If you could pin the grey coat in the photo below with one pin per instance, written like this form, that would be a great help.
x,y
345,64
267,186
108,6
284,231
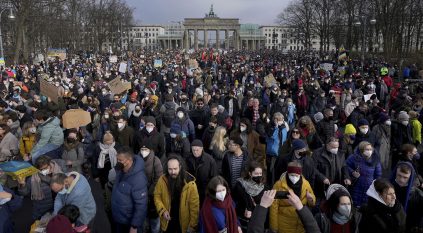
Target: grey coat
x,y
383,133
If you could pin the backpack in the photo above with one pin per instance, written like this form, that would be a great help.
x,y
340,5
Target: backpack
x,y
168,116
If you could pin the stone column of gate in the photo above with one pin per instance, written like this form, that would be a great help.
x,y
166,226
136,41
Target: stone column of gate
x,y
254,44
217,40
195,39
185,39
226,39
236,39
206,38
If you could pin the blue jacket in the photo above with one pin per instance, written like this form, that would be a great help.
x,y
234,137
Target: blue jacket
x,y
276,140
6,210
186,126
78,194
369,170
49,132
129,195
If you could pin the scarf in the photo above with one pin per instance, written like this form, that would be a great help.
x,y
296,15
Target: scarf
x,y
252,188
107,150
36,192
206,215
256,116
339,218
295,187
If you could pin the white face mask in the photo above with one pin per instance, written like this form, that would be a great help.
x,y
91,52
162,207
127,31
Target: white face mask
x,y
368,153
173,135
149,129
243,128
388,122
405,123
4,201
364,130
145,153
106,116
121,125
280,123
45,172
345,210
334,151
32,130
221,195
294,178
180,115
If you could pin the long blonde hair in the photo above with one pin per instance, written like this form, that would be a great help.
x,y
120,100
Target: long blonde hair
x,y
25,128
219,139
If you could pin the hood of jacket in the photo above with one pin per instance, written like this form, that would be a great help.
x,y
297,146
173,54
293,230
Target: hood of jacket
x,y
371,192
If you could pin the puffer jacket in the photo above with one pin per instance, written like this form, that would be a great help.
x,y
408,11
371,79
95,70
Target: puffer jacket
x,y
283,217
129,195
189,207
49,132
369,170
185,125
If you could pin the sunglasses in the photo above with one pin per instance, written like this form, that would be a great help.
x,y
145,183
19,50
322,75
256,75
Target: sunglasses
x,y
296,131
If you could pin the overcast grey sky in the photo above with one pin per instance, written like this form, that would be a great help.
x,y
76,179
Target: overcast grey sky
x,y
263,12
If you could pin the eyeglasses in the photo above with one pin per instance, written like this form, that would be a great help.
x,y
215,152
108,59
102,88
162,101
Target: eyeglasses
x,y
296,131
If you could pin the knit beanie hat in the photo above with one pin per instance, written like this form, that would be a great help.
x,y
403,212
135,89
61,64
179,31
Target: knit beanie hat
x,y
197,143
298,144
59,223
350,129
174,128
403,116
150,119
108,137
383,117
318,117
362,122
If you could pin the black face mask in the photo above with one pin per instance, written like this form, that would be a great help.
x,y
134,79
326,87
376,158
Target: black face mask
x,y
119,166
256,179
303,153
329,118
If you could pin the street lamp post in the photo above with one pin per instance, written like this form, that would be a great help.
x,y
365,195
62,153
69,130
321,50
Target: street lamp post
x,y
359,23
11,16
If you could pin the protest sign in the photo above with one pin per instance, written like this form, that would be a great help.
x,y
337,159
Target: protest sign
x,y
2,62
367,97
53,53
122,67
117,87
269,80
18,169
113,59
192,63
158,63
49,90
326,66
75,118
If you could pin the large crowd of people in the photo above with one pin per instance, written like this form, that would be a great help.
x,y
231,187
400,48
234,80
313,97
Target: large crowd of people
x,y
214,141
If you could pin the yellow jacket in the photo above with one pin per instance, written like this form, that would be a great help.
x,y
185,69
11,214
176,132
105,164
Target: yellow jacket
x,y
416,130
189,205
283,216
26,143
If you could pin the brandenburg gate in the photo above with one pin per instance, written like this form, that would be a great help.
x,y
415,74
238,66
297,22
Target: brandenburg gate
x,y
212,23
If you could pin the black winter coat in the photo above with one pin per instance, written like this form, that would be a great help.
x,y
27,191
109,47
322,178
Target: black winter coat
x,y
378,217
203,169
155,139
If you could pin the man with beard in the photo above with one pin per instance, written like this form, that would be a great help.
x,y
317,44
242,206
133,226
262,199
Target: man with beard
x,y
176,198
